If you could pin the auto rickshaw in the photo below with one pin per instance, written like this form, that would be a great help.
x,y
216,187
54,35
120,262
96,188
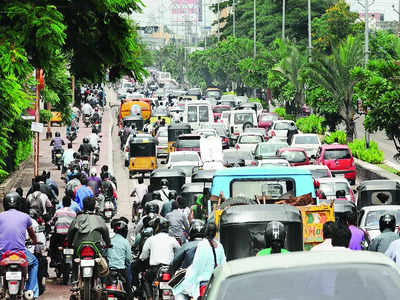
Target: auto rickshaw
x,y
134,107
242,228
176,179
134,120
378,192
55,118
341,208
174,131
190,191
203,176
142,155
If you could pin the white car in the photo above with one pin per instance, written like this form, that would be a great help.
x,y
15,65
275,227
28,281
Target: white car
x,y
308,141
318,171
162,139
241,119
184,157
280,128
248,141
369,217
329,186
272,162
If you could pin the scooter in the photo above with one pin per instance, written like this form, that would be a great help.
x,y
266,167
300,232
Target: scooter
x,y
64,262
113,287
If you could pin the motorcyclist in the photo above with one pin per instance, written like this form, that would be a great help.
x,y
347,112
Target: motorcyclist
x,y
164,191
39,201
96,117
94,181
159,248
68,157
14,224
94,139
87,227
167,206
83,191
57,142
87,109
178,223
274,237
109,191
387,226
85,149
120,255
151,210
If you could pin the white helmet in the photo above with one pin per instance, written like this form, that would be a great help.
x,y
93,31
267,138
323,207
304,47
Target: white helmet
x,y
93,171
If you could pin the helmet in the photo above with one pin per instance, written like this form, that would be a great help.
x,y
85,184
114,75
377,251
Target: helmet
x,y
58,134
120,226
159,224
93,171
12,200
156,195
275,231
197,229
151,208
96,109
164,182
86,140
387,221
172,195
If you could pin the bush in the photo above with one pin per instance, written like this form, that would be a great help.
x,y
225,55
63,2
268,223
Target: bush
x,y
311,124
280,111
45,115
339,134
372,155
24,149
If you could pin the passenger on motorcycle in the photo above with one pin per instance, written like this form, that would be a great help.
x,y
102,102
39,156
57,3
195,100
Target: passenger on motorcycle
x,y
14,224
68,157
167,206
178,223
73,183
159,248
138,192
39,201
87,227
57,142
106,174
274,236
62,220
109,191
151,210
74,206
96,117
120,255
83,191
387,226
85,149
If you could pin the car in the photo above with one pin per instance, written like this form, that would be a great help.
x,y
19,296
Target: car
x,y
218,110
316,275
329,186
273,162
188,142
318,171
162,141
308,141
234,158
221,131
268,149
257,107
280,128
248,141
369,217
295,156
177,157
240,120
339,159
265,120
257,130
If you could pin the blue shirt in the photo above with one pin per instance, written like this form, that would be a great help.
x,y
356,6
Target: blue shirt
x,y
13,226
74,206
81,194
120,255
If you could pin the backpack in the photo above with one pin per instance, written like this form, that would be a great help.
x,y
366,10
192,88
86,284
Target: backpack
x,y
36,203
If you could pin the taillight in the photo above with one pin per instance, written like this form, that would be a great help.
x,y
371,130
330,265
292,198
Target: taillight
x,y
126,149
316,183
273,133
87,251
165,277
237,147
40,220
253,163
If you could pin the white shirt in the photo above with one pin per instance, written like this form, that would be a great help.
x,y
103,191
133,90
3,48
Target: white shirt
x,y
160,248
94,140
164,193
327,246
87,109
68,157
140,190
41,238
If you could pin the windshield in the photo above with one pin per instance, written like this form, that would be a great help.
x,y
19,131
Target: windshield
x,y
266,118
337,154
241,118
213,94
236,155
332,281
306,139
184,157
250,139
270,148
372,218
203,113
294,156
220,109
273,188
188,143
320,173
145,149
192,113
330,189
282,126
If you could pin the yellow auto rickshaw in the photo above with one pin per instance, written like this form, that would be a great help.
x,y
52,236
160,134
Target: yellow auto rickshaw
x,y
55,118
133,120
142,155
133,107
174,131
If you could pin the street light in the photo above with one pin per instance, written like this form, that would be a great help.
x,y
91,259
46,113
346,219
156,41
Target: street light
x,y
255,39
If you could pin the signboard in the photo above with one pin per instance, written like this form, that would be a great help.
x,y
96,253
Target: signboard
x,y
184,7
37,127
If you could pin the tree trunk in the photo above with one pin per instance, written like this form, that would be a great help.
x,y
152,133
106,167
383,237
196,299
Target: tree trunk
x,y
350,128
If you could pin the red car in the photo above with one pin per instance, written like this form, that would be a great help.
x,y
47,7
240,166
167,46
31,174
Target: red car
x,y
339,159
218,110
295,156
265,120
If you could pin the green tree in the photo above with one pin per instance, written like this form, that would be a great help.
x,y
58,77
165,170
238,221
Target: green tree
x,y
171,58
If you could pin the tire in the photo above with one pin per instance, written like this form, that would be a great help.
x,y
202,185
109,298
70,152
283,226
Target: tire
x,y
65,274
237,201
58,167
87,289
247,125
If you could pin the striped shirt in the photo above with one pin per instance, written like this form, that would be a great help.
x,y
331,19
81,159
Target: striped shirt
x,y
63,219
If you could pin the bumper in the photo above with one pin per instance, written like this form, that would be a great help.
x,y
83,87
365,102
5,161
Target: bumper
x,y
348,174
162,151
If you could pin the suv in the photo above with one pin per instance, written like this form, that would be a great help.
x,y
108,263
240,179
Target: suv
x,y
339,159
281,128
241,119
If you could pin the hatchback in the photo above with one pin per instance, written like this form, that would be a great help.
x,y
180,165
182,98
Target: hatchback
x,y
295,156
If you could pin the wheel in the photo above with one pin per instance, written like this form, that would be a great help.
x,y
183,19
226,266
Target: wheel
x,y
66,271
93,161
58,167
86,290
247,125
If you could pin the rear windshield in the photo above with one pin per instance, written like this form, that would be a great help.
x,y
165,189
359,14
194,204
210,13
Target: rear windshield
x,y
281,126
192,114
219,109
184,157
250,139
213,94
306,139
146,149
273,188
241,118
320,173
337,154
236,155
266,118
294,156
203,114
188,143
270,148
332,188
372,219
255,130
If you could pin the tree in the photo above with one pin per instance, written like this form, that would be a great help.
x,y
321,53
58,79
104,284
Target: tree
x,y
171,58
334,73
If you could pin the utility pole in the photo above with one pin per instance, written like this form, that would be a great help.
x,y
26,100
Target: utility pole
x,y
398,22
284,18
309,32
219,16
255,39
205,23
37,120
234,17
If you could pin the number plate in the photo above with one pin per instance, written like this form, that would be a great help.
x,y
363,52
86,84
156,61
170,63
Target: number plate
x,y
164,286
108,214
13,275
68,251
40,229
87,263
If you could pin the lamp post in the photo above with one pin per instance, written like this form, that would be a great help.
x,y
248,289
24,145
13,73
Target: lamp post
x,y
255,38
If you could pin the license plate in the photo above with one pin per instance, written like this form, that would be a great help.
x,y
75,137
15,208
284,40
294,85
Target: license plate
x,y
108,214
40,229
68,251
112,298
13,275
164,286
87,263
58,155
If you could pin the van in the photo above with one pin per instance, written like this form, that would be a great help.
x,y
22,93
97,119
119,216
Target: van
x,y
240,119
197,113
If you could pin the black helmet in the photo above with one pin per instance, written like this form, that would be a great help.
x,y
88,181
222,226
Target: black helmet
x,y
172,195
85,140
156,195
159,224
197,229
387,221
275,231
12,200
164,182
33,213
58,134
151,208
120,226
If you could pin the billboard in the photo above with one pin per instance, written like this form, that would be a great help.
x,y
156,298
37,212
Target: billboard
x,y
184,7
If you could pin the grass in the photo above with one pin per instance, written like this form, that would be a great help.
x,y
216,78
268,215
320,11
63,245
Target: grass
x,y
389,169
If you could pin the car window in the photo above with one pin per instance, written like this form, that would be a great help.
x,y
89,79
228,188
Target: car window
x,y
250,139
274,188
372,218
266,118
337,154
241,118
294,156
192,113
305,139
281,126
203,114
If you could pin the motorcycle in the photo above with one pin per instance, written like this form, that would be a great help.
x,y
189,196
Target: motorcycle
x,y
86,120
96,156
64,262
97,127
72,135
86,164
161,289
58,161
14,270
113,287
